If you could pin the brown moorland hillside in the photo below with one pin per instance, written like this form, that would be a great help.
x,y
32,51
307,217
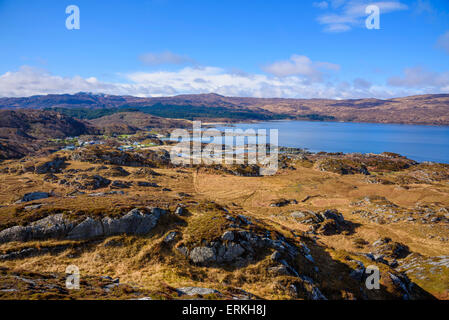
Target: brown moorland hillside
x,y
26,131
422,109
131,122
308,232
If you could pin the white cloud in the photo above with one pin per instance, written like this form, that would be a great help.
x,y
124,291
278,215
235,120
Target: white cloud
x,y
164,58
321,4
302,66
418,77
443,42
29,81
360,83
351,13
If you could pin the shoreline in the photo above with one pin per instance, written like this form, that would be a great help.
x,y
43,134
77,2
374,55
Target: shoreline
x,y
326,121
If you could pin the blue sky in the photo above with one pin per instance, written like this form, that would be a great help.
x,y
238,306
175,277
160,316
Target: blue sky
x,y
261,48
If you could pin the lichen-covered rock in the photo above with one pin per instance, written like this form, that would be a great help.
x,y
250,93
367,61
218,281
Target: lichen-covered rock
x,y
16,233
55,226
193,291
87,229
202,255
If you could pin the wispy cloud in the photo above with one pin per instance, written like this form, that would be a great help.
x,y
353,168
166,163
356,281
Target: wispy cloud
x,y
419,77
443,42
164,58
321,4
343,15
28,81
300,65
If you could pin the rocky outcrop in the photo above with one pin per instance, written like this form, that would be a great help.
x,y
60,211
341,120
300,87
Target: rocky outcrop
x,y
86,182
328,222
34,196
203,255
116,171
135,222
107,155
342,166
283,202
55,226
238,247
53,166
117,184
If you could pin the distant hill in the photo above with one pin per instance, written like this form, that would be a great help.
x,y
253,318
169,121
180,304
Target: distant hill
x,y
38,124
24,131
423,109
131,122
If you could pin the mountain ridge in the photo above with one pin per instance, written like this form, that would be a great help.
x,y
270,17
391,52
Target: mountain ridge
x,y
419,109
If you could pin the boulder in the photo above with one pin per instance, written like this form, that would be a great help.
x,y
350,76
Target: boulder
x,y
55,226
134,222
87,229
34,196
193,291
232,252
202,255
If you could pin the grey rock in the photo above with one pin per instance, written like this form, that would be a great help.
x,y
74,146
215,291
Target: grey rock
x,y
280,270
298,214
147,184
16,233
87,229
233,251
34,196
179,211
134,222
54,226
227,236
170,237
32,207
53,166
201,255
334,215
193,291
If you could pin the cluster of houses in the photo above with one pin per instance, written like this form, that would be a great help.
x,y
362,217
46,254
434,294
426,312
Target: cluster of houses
x,y
80,143
76,142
